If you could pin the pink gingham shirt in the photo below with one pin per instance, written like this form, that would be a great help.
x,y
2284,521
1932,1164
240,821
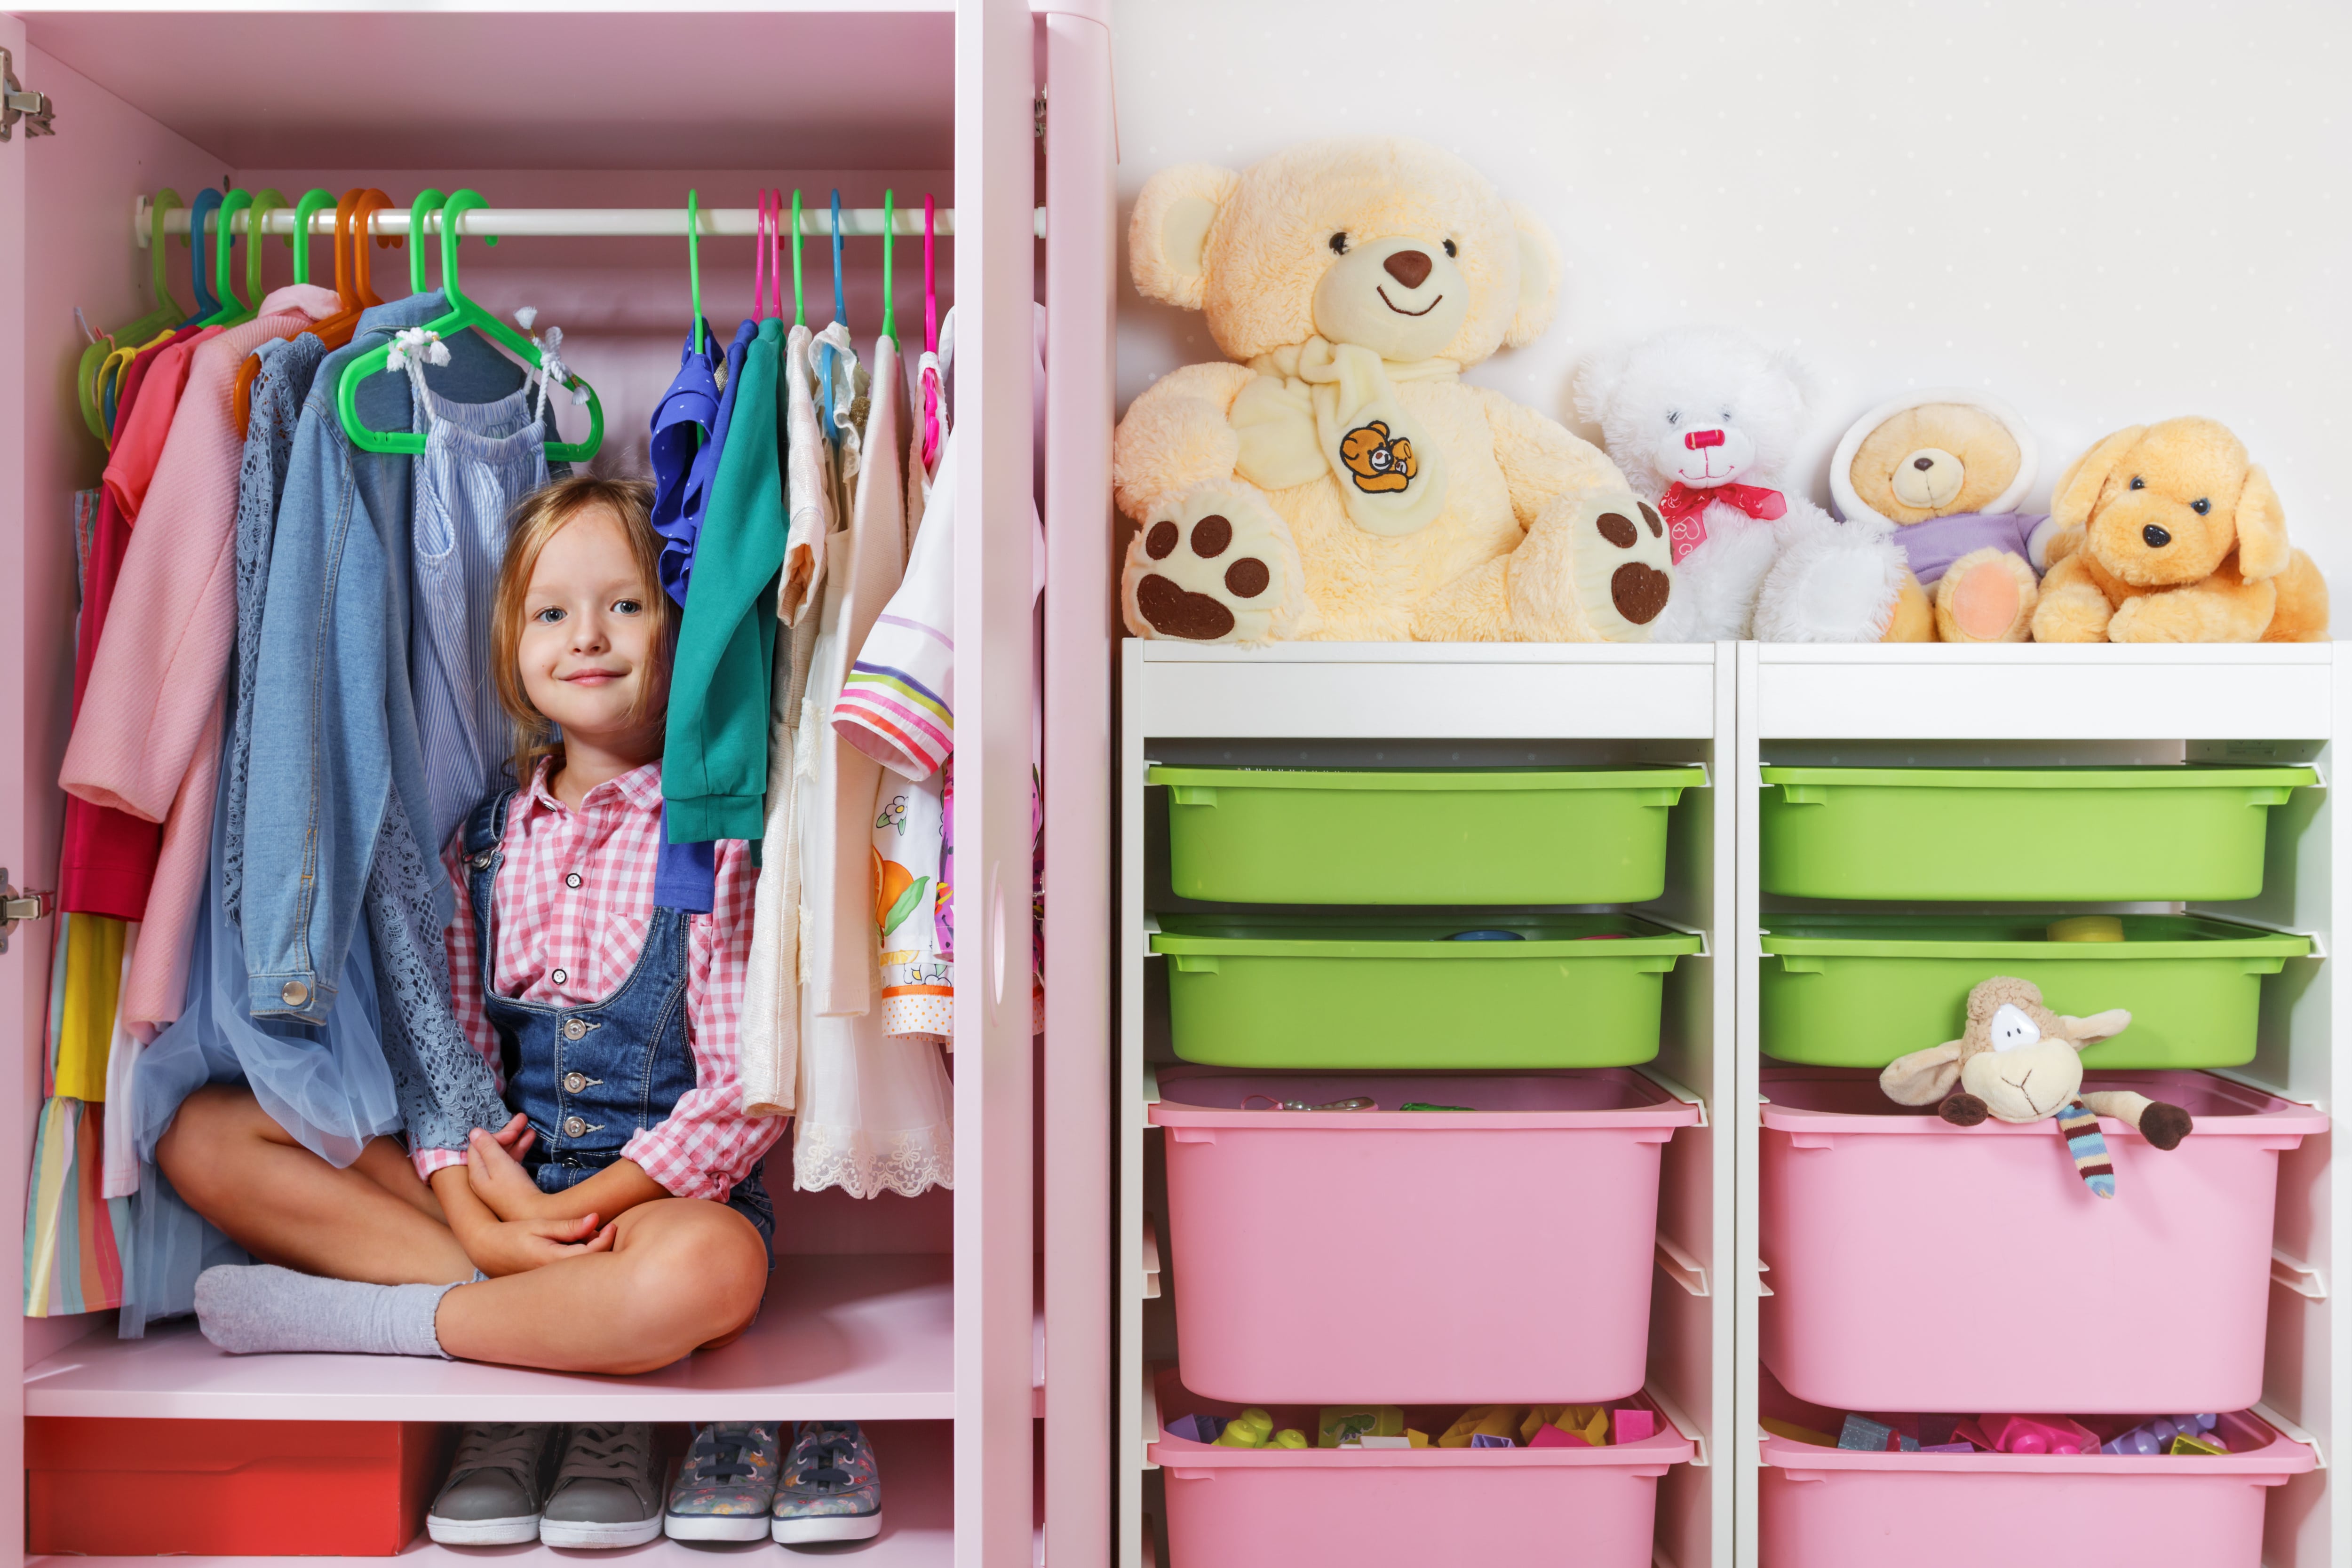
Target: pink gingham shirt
x,y
574,895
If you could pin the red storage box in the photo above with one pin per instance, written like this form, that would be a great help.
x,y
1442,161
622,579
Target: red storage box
x,y
104,1487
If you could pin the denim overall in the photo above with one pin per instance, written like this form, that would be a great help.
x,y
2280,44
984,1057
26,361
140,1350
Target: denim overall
x,y
590,1077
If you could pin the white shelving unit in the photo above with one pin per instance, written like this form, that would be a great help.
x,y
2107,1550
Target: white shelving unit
x,y
1367,704
2016,705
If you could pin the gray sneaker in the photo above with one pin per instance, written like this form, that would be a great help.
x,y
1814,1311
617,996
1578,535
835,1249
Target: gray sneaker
x,y
832,1490
496,1486
727,1483
606,1491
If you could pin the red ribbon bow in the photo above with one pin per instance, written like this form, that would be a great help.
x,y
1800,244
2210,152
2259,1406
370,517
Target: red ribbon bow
x,y
1686,511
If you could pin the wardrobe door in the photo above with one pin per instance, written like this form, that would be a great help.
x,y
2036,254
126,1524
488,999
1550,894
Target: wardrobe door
x,y
995,154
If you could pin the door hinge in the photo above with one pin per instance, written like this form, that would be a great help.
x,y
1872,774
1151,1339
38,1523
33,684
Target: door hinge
x,y
33,108
1037,111
13,905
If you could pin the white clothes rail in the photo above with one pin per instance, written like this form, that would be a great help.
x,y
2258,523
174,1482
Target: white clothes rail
x,y
568,221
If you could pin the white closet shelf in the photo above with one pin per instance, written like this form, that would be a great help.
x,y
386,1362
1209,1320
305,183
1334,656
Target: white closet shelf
x,y
1435,690
2040,690
917,1465
850,1338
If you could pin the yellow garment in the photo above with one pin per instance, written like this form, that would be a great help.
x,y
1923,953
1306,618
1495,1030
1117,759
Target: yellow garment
x,y
86,1022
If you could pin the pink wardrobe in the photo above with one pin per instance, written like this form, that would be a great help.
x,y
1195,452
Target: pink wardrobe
x,y
971,1327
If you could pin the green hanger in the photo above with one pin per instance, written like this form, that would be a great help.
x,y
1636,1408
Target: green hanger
x,y
304,210
232,310
168,312
889,236
800,299
694,259
428,200
265,202
463,313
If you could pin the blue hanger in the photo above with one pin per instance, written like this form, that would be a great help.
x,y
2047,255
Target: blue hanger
x,y
828,390
207,202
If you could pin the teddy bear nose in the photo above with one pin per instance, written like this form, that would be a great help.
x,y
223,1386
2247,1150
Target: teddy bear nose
x,y
1410,267
1923,463
2156,537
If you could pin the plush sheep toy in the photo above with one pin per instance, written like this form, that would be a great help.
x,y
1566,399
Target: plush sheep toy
x,y
1703,422
2021,1062
1335,476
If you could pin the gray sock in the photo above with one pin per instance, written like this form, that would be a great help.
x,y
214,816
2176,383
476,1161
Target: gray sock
x,y
261,1307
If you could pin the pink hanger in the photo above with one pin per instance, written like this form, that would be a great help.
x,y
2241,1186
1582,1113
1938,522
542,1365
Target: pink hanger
x,y
931,389
759,254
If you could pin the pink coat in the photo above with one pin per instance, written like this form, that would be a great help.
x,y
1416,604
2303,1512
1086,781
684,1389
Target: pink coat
x,y
147,740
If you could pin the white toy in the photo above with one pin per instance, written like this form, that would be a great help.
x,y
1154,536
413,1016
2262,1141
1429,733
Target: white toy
x,y
1702,422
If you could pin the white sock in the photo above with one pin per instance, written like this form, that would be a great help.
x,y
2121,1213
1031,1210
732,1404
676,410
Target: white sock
x,y
260,1307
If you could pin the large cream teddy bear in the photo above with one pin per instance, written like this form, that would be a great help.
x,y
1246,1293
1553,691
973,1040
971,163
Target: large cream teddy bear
x,y
1341,481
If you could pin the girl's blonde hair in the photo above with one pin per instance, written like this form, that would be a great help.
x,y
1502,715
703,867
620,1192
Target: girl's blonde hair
x,y
537,518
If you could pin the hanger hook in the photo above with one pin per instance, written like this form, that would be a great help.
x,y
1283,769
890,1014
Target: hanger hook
x,y
889,242
428,200
207,202
800,297
930,281
266,201
224,237
840,314
694,259
298,239
165,200
459,203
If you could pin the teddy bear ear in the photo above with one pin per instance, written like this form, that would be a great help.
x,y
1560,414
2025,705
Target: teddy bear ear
x,y
1924,1077
1167,236
1799,372
1596,382
1539,278
2078,487
2263,549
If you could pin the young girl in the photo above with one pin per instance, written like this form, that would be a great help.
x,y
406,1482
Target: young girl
x,y
617,1221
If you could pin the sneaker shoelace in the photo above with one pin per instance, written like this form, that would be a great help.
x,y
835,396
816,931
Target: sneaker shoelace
x,y
611,1453
512,1446
725,1461
835,1449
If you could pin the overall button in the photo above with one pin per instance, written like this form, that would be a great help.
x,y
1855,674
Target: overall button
x,y
559,976
572,880
573,1126
573,1082
482,861
294,993
573,1028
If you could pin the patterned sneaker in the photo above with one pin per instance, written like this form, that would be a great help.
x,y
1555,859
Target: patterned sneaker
x,y
496,1487
727,1483
830,1490
606,1491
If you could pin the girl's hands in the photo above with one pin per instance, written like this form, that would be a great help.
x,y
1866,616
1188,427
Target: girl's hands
x,y
516,1247
496,1176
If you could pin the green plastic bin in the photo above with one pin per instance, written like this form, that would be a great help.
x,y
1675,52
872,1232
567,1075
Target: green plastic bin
x,y
1413,835
1859,990
1338,991
1987,834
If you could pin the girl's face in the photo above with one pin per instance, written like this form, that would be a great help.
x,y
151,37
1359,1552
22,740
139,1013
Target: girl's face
x,y
588,652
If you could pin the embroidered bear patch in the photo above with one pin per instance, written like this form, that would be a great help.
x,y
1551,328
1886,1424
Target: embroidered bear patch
x,y
1380,464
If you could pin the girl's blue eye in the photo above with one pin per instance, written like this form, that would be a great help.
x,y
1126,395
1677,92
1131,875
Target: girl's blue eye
x,y
628,606
550,615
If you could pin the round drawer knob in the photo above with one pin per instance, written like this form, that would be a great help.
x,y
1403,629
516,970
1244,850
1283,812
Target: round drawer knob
x,y
573,1126
573,1082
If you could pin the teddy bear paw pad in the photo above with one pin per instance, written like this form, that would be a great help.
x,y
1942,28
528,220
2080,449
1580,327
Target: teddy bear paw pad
x,y
1624,563
1210,572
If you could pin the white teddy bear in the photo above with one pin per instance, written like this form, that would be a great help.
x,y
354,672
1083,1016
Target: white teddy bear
x,y
1702,422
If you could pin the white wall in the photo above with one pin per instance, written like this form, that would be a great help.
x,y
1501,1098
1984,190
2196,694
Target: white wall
x,y
2105,213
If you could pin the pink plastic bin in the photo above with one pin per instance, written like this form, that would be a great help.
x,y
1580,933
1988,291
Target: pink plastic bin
x,y
1243,1508
1886,1231
1415,1258
1832,1508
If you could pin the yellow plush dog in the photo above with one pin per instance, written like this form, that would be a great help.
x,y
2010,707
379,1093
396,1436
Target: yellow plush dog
x,y
2169,533
1336,477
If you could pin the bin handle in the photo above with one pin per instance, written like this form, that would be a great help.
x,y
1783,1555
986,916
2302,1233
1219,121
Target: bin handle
x,y
1190,1134
2270,795
1192,795
1187,1475
2269,965
1802,962
1193,963
1804,794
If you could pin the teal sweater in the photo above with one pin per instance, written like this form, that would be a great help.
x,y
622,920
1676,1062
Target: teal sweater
x,y
715,759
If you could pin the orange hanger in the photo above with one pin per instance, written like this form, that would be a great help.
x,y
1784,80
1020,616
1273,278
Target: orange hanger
x,y
335,330
351,215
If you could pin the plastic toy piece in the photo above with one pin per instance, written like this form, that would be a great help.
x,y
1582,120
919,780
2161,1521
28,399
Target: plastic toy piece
x,y
1418,1439
2182,1443
1373,1440
1250,1430
1335,1424
1417,1105
1494,1420
1197,1428
1491,1440
1489,935
2038,1435
1288,1438
1948,1448
1631,1426
1864,1435
1550,1437
2087,928
1797,1434
2154,1436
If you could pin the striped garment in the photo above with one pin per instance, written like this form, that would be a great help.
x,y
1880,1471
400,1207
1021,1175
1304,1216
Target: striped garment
x,y
2080,1125
898,706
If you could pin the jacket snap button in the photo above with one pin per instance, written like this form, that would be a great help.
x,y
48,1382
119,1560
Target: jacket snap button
x,y
572,880
573,1126
572,1029
482,862
573,1082
294,993
559,976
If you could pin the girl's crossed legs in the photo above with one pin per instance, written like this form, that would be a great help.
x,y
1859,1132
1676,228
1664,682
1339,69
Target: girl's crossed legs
x,y
676,1274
